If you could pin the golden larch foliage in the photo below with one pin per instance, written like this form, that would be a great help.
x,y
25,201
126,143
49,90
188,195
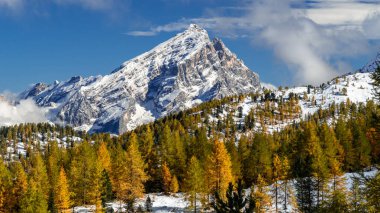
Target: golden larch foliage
x,y
62,199
219,171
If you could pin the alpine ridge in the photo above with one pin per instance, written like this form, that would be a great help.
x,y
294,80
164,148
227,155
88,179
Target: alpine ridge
x,y
186,70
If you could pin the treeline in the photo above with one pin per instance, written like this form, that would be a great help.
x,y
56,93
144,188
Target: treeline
x,y
172,155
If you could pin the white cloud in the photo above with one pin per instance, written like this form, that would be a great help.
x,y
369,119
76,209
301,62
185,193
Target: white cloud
x,y
342,12
313,39
305,46
26,111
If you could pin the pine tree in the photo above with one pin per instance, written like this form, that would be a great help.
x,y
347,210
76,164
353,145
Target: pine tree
x,y
148,204
179,154
236,200
194,181
219,169
106,193
361,147
62,199
261,157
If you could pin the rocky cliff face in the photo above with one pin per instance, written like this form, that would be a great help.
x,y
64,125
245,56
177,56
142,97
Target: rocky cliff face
x,y
177,74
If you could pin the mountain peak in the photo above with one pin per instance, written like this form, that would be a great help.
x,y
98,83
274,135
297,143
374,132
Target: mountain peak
x,y
195,27
177,74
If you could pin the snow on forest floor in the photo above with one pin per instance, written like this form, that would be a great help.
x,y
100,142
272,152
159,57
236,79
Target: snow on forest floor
x,y
178,203
161,203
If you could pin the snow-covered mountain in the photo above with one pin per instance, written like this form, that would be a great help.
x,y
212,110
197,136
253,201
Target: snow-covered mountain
x,y
184,71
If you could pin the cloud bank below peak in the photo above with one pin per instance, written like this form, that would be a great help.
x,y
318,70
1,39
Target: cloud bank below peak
x,y
24,111
313,38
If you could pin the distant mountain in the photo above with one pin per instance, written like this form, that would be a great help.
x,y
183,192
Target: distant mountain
x,y
186,70
372,65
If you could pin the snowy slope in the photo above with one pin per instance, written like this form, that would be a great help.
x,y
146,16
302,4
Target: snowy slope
x,y
357,88
185,70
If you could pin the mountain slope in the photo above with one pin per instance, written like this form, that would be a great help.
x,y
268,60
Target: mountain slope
x,y
185,70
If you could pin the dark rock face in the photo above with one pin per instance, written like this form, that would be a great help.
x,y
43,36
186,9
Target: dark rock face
x,y
177,74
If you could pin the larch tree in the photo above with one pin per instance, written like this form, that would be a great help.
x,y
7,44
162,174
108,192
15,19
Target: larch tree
x,y
344,136
174,185
120,175
166,178
104,157
136,173
62,200
277,176
33,200
82,174
97,185
262,198
5,187
319,170
20,185
219,171
38,173
52,166
194,182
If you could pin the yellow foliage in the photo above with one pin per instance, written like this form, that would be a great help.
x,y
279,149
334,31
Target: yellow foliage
x,y
219,171
62,194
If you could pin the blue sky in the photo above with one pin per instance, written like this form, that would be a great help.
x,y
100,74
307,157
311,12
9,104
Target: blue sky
x,y
287,42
